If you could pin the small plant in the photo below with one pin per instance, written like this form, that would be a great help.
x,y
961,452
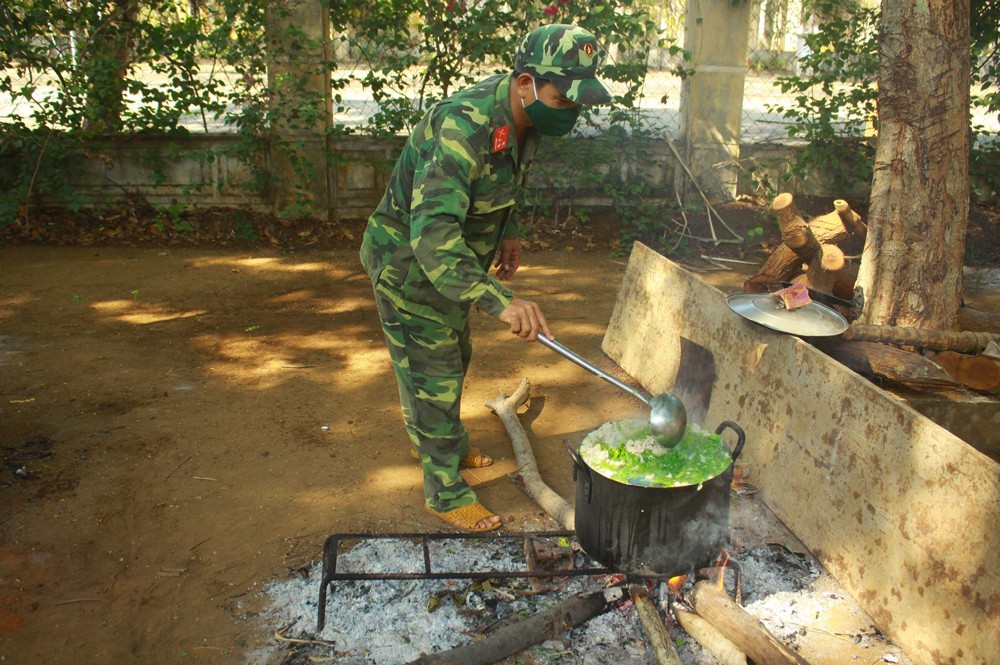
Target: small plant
x,y
835,98
243,228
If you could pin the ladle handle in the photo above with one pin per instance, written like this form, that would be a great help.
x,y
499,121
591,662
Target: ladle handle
x,y
569,355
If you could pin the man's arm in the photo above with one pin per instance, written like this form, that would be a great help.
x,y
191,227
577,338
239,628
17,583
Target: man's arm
x,y
441,197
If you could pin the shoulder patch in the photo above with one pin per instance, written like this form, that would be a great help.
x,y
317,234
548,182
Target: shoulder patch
x,y
501,137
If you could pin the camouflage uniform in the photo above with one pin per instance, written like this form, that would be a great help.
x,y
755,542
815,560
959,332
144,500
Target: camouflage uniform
x,y
428,249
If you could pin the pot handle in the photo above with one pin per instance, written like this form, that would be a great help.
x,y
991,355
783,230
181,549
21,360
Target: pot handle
x,y
578,466
741,436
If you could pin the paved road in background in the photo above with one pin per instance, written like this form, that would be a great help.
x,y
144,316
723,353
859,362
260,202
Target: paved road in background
x,y
659,110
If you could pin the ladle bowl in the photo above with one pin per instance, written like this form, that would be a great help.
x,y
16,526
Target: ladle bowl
x,y
667,415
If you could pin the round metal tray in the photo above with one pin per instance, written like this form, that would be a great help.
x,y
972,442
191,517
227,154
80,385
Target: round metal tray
x,y
813,320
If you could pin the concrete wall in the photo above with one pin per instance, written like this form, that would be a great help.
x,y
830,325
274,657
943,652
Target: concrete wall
x,y
208,171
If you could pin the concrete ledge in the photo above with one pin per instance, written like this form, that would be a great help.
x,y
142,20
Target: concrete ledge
x,y
903,513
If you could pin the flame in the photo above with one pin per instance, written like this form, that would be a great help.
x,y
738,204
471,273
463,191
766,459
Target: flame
x,y
721,580
675,584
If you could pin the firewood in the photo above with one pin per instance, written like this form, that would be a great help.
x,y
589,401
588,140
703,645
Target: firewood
x,y
822,274
976,372
708,637
652,623
529,479
850,219
795,233
517,637
974,319
843,288
874,360
742,629
829,229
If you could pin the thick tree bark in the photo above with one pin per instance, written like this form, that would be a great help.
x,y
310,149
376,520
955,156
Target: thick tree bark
x,y
911,269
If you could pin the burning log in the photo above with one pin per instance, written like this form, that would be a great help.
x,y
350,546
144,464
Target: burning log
x,y
527,477
742,629
517,637
652,623
708,637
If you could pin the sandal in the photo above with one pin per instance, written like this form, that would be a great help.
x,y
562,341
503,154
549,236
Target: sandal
x,y
467,518
476,459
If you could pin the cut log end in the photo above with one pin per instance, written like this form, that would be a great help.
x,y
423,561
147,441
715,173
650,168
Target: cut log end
x,y
782,201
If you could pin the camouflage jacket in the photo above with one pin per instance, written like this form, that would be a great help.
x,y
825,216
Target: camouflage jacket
x,y
429,244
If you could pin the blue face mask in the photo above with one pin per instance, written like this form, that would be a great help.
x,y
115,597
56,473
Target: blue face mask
x,y
547,120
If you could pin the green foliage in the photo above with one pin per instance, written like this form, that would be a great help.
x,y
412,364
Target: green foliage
x,y
985,26
75,71
140,66
834,108
835,98
433,47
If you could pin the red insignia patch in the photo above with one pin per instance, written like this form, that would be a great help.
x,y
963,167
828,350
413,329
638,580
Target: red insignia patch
x,y
500,138
588,48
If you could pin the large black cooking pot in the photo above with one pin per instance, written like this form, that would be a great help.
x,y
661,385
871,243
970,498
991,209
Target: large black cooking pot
x,y
653,530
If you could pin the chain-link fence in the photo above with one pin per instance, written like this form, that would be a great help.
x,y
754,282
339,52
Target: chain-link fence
x,y
774,45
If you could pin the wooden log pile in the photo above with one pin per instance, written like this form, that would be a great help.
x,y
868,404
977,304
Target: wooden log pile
x,y
812,254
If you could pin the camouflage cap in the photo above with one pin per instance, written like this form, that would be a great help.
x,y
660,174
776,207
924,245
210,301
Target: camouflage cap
x,y
566,55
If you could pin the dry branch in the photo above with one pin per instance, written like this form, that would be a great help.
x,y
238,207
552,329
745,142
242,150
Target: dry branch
x,y
530,480
517,637
742,629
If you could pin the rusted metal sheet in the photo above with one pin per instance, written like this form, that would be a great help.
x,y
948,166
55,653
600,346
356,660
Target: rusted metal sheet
x,y
903,513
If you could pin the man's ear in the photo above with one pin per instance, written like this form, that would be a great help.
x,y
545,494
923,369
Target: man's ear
x,y
523,83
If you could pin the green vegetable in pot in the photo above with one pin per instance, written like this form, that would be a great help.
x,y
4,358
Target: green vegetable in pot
x,y
626,451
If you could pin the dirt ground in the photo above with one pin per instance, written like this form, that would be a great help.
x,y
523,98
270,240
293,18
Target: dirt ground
x,y
180,425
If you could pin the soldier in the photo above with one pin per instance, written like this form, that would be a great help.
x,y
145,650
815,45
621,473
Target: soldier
x,y
446,215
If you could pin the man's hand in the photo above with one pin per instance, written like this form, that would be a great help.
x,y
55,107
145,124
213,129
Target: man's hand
x,y
508,258
525,319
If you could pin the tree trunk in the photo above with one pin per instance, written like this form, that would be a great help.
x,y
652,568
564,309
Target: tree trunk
x,y
109,59
911,269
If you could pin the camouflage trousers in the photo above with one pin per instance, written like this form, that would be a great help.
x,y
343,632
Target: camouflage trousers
x,y
430,361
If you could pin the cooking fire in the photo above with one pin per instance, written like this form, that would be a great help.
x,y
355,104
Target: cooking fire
x,y
779,584
673,559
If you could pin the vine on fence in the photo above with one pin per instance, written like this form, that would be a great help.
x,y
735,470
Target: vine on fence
x,y
76,74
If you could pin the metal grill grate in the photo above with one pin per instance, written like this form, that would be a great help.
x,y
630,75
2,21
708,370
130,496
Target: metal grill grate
x,y
332,547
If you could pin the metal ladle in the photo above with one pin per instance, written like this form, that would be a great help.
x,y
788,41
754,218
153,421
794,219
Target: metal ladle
x,y
667,415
